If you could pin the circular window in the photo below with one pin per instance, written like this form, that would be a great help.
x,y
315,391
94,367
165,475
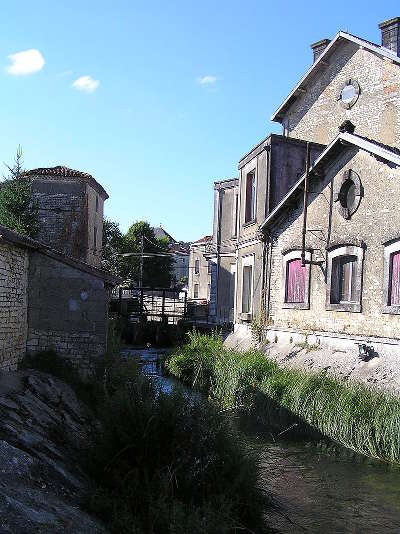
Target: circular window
x,y
349,94
348,195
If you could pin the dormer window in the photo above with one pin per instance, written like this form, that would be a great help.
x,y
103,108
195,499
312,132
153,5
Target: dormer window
x,y
349,94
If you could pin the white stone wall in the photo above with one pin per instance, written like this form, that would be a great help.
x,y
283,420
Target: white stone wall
x,y
13,305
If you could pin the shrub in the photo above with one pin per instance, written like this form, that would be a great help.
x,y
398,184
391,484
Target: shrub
x,y
170,463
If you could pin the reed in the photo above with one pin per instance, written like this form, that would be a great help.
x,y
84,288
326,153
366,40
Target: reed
x,y
356,416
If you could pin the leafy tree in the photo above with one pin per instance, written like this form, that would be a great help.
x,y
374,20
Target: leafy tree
x,y
113,247
157,271
18,209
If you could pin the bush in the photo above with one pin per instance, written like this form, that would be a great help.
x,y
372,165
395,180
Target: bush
x,y
170,463
358,417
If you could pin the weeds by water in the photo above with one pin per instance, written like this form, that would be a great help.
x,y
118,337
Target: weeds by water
x,y
358,417
162,463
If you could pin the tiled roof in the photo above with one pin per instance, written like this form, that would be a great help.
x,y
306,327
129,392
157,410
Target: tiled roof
x,y
160,233
205,239
66,172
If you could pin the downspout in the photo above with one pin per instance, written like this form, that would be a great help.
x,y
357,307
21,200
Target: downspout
x,y
268,276
304,231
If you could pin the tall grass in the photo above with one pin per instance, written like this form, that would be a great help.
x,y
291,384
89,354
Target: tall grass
x,y
161,463
356,416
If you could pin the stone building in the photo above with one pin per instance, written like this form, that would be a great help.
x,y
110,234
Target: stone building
x,y
266,174
199,286
222,252
49,301
180,256
325,262
70,210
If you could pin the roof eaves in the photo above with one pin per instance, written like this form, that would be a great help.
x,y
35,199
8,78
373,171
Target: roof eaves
x,y
376,49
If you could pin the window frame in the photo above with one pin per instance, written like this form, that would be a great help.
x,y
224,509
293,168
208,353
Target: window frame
x,y
196,285
346,250
247,261
197,266
287,257
252,218
390,248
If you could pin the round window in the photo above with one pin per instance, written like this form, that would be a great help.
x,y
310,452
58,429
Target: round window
x,y
349,94
348,193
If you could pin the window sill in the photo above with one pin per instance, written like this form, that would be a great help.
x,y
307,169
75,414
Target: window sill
x,y
249,223
354,307
296,305
246,316
394,310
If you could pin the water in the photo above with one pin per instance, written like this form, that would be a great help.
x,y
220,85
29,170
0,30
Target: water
x,y
317,489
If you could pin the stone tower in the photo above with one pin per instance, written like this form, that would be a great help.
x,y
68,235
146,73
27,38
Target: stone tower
x,y
70,210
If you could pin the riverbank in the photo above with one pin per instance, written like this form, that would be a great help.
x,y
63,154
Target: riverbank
x,y
154,461
359,418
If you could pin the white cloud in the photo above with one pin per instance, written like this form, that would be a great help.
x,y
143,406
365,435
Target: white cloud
x,y
86,84
25,62
207,80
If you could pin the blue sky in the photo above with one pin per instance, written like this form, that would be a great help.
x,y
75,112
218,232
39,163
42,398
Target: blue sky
x,y
158,99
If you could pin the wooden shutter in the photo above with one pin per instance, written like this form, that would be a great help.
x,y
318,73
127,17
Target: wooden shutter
x,y
295,282
395,280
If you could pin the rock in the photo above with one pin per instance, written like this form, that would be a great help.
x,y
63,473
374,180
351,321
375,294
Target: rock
x,y
43,429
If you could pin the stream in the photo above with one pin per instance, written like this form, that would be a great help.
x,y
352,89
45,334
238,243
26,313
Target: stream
x,y
317,488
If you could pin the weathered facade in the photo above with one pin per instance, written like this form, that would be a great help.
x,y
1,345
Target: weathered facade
x,y
70,210
199,286
222,253
267,173
49,302
333,268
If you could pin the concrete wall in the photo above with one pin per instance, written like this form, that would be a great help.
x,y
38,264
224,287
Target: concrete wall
x,y
67,310
376,221
95,220
13,304
317,113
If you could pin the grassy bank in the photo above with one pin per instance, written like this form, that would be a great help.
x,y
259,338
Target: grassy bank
x,y
162,463
360,418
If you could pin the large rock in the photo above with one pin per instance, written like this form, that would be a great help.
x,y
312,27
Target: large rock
x,y
43,431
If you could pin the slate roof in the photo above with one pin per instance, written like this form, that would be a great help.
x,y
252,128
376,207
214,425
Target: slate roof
x,y
340,142
65,172
160,233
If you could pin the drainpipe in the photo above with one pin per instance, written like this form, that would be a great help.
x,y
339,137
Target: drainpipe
x,y
304,231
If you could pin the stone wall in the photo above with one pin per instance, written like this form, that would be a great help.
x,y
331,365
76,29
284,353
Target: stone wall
x,y
376,221
13,304
63,212
317,113
67,310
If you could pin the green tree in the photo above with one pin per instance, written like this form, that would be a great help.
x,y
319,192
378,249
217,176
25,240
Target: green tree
x,y
18,209
157,270
113,247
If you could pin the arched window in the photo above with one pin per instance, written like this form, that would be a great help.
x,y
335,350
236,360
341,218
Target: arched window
x,y
296,280
391,278
344,279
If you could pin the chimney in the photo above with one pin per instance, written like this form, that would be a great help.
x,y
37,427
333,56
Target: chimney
x,y
319,47
391,34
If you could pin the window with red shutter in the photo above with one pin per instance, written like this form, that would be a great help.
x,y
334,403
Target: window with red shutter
x,y
295,281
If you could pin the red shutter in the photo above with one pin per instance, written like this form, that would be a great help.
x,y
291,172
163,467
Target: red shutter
x,y
395,289
295,282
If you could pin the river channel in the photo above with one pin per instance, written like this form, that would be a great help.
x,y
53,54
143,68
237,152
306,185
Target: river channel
x,y
317,488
